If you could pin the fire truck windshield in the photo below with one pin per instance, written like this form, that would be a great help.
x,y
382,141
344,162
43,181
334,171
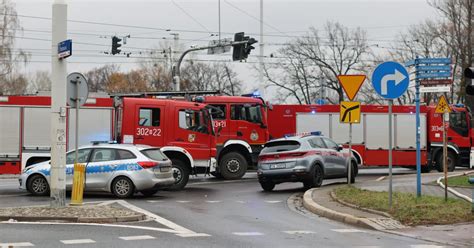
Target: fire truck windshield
x,y
458,123
246,112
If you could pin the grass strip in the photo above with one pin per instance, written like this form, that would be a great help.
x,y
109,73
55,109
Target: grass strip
x,y
407,208
459,181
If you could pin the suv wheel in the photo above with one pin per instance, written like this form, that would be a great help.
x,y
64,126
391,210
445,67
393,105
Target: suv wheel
x,y
316,179
267,185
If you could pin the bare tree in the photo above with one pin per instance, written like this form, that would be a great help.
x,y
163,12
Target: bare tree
x,y
9,58
98,78
39,81
217,76
313,61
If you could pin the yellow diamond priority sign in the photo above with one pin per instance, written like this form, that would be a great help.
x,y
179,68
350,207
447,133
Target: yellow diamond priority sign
x,y
351,84
443,106
349,112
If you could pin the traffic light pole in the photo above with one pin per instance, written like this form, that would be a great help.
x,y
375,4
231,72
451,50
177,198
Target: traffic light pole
x,y
176,70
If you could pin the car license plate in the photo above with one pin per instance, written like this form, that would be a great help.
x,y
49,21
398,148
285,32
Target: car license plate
x,y
165,169
277,166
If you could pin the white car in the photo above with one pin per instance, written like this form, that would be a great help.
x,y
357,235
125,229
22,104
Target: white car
x,y
122,169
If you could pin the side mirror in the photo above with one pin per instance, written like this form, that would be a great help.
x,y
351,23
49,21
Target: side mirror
x,y
339,148
469,76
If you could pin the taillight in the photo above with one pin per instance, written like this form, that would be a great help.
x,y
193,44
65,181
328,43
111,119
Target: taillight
x,y
147,164
296,154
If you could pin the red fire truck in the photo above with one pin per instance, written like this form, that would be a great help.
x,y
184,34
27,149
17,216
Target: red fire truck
x,y
370,137
183,130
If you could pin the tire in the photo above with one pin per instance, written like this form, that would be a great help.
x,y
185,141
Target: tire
x,y
149,192
451,161
317,176
180,173
426,168
233,165
38,185
267,185
122,187
353,172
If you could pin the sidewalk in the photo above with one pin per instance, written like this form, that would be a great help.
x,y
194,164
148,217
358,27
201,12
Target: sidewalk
x,y
320,201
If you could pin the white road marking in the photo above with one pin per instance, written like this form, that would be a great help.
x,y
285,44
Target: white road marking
x,y
272,201
21,244
299,232
156,218
183,201
347,230
189,235
155,201
213,201
240,201
247,233
143,237
77,241
380,178
426,246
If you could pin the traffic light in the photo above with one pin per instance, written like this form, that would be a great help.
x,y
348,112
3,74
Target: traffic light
x,y
248,47
469,76
239,48
116,45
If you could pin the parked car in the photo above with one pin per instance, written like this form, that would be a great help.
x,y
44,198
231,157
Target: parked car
x,y
307,158
122,169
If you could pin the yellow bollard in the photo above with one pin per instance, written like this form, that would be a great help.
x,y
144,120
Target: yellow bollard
x,y
78,184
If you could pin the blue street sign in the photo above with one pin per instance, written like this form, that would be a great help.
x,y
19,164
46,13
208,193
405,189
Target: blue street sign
x,y
320,101
433,61
64,49
410,63
390,80
440,74
433,68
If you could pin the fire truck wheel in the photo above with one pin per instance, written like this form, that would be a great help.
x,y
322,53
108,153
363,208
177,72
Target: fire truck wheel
x,y
317,178
267,185
233,165
451,161
180,174
122,187
38,185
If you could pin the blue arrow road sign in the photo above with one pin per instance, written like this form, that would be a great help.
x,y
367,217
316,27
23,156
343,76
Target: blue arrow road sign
x,y
390,80
441,74
433,61
433,68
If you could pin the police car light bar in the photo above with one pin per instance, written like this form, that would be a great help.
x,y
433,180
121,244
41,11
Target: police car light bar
x,y
97,142
314,133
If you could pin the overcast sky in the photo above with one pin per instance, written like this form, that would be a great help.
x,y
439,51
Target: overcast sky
x,y
196,21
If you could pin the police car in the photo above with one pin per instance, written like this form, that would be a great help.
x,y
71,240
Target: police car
x,y
121,169
308,158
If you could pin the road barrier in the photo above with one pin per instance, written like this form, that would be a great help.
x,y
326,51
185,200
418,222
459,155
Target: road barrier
x,y
78,184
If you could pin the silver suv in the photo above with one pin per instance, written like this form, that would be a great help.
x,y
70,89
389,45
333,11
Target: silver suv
x,y
307,158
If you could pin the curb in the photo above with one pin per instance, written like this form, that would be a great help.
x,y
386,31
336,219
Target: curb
x,y
453,191
9,176
312,206
333,196
74,219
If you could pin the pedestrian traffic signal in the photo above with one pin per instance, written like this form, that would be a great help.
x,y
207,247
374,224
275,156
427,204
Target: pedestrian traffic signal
x,y
469,76
242,51
116,45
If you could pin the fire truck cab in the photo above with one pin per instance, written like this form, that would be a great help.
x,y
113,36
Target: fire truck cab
x,y
183,129
242,122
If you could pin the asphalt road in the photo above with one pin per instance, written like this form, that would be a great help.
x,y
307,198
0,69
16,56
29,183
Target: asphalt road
x,y
212,213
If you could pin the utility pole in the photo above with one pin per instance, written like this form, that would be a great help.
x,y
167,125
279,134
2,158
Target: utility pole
x,y
260,57
58,106
173,60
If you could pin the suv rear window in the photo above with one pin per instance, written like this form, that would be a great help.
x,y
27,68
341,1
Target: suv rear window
x,y
154,154
281,146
